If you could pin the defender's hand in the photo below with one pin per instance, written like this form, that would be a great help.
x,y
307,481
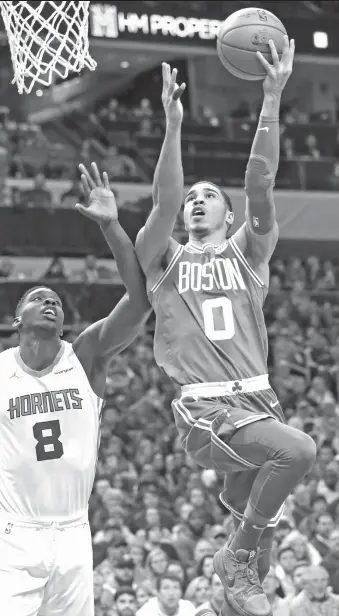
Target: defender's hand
x,y
171,94
278,72
101,206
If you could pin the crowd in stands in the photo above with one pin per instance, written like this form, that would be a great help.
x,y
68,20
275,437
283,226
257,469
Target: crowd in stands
x,y
127,142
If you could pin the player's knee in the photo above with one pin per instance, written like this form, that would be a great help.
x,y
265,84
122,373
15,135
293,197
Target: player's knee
x,y
304,452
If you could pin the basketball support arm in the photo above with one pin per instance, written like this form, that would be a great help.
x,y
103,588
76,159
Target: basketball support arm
x,y
262,168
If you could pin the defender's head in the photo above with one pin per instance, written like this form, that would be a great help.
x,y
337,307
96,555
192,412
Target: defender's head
x,y
207,208
39,308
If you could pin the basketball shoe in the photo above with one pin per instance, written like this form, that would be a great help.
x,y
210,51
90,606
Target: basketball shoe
x,y
238,573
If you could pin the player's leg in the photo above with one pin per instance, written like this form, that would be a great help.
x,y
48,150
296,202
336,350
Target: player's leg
x,y
282,456
23,574
265,545
69,591
285,455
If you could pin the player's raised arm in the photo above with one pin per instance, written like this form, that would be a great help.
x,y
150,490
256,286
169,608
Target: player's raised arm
x,y
168,182
96,346
258,237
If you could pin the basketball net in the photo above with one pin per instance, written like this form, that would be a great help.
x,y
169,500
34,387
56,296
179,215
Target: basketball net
x,y
41,46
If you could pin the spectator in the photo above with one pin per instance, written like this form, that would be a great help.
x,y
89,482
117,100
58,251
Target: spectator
x,y
157,562
205,567
316,598
39,195
287,148
324,528
287,562
113,112
311,149
331,560
303,550
72,196
299,577
301,504
209,117
98,583
138,555
89,273
6,268
144,109
328,485
198,591
217,596
55,270
168,600
119,166
270,586
143,594
333,178
125,602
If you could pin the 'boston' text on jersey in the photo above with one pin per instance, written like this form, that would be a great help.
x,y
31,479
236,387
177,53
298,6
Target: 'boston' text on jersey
x,y
221,273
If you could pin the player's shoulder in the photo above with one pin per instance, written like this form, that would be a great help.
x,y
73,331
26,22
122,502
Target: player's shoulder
x,y
8,354
7,360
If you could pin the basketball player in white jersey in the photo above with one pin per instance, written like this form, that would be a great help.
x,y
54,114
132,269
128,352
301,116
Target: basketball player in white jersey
x,y
51,397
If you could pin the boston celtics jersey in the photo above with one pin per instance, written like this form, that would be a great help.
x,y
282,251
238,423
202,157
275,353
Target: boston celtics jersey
x,y
209,315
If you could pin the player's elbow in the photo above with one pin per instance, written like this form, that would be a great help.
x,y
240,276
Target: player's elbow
x,y
137,311
259,177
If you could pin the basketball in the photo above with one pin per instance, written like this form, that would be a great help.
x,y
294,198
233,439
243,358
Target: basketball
x,y
244,33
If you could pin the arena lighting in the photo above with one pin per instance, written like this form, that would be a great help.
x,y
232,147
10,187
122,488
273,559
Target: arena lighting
x,y
39,93
320,40
124,64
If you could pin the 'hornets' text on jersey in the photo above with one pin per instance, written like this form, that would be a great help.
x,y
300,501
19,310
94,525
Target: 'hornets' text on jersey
x,y
209,316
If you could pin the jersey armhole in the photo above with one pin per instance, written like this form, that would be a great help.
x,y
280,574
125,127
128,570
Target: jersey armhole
x,y
246,264
168,261
76,363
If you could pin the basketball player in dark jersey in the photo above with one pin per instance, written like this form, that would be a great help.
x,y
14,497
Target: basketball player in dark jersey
x,y
210,337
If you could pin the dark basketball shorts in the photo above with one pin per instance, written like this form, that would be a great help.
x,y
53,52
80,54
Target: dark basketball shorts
x,y
208,414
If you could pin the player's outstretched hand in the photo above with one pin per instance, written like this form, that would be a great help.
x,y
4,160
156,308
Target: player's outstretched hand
x,y
278,72
171,94
101,204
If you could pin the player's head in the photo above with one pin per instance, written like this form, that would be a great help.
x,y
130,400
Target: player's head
x,y
207,208
40,308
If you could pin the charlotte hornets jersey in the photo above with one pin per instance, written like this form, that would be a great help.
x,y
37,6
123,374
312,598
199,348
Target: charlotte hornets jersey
x,y
49,437
209,316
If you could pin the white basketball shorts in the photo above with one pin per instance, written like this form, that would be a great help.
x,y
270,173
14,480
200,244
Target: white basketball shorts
x,y
46,569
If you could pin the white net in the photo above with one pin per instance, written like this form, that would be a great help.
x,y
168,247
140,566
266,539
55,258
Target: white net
x,y
46,38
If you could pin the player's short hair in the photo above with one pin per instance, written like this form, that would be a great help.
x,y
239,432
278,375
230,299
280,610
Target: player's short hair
x,y
124,590
224,194
167,576
23,298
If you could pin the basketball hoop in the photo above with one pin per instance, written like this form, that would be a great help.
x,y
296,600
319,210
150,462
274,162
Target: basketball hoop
x,y
46,38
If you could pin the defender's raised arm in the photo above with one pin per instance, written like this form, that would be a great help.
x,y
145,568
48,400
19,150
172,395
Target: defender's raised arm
x,y
101,341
